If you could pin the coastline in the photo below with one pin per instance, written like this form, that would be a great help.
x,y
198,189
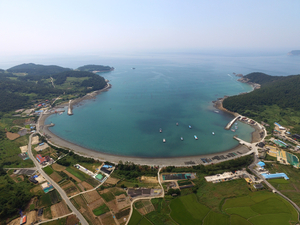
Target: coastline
x,y
239,150
218,104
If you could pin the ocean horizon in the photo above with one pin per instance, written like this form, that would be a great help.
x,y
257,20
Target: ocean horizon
x,y
158,93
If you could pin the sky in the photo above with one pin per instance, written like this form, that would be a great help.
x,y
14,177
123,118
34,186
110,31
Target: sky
x,y
52,27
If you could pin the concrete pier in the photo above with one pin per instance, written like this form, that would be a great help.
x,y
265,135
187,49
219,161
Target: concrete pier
x,y
70,108
228,126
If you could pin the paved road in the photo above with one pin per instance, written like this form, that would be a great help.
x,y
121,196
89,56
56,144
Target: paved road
x,y
251,167
46,221
56,186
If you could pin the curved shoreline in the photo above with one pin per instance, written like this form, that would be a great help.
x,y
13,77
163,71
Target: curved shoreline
x,y
55,140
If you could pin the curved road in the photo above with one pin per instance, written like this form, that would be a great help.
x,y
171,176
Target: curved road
x,y
55,185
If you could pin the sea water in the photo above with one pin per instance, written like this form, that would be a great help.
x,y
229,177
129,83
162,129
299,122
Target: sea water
x,y
158,93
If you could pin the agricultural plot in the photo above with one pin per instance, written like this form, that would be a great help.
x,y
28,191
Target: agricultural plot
x,y
261,208
77,173
108,196
56,177
91,196
107,219
101,210
59,209
144,206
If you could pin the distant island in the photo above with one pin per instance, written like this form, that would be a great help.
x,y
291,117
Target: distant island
x,y
95,68
294,52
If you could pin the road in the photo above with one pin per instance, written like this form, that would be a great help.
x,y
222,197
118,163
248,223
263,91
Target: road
x,y
55,185
57,218
251,167
143,198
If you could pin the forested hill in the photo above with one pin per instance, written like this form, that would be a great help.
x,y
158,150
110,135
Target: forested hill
x,y
35,69
98,68
21,91
261,104
262,78
284,92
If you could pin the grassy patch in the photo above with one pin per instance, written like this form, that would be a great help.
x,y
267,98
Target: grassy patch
x,y
77,173
199,211
92,181
237,220
274,219
245,212
48,170
31,207
138,205
136,217
45,200
101,210
180,214
184,182
117,191
47,213
61,221
108,196
216,218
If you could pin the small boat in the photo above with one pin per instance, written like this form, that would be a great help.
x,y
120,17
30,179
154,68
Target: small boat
x,y
216,111
160,130
195,137
236,127
232,130
133,68
213,133
235,123
176,124
181,138
190,126
164,140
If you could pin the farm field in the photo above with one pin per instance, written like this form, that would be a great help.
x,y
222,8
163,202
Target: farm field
x,y
240,207
291,187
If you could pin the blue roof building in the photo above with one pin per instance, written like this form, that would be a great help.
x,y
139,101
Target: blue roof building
x,y
275,175
261,164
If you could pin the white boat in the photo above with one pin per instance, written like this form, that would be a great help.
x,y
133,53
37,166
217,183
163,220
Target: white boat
x,y
181,138
176,124
216,111
213,133
232,130
190,126
164,140
195,137
236,127
160,130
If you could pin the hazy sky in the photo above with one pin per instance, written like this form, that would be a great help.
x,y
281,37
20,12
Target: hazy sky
x,y
95,26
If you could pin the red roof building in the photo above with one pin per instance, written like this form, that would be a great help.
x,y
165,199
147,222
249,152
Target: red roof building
x,y
40,158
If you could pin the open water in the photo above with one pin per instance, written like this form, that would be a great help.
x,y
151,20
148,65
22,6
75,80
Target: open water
x,y
158,93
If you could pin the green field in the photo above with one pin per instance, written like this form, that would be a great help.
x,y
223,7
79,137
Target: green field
x,y
48,170
9,151
101,210
291,187
77,173
227,203
259,207
108,196
136,217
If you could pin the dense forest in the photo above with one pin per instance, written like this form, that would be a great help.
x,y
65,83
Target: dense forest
x,y
284,92
19,91
262,78
280,92
91,68
35,69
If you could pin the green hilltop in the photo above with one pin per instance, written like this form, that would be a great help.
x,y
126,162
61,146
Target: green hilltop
x,y
35,69
276,101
